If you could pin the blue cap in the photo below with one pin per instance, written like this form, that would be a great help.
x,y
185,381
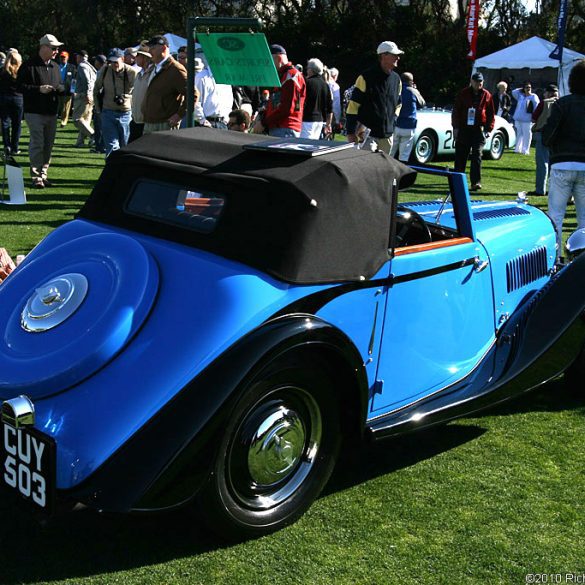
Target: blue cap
x,y
115,54
277,50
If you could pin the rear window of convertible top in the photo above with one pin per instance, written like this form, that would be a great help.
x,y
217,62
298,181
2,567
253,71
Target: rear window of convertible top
x,y
177,205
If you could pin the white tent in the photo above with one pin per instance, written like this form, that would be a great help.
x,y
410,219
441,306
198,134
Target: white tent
x,y
175,41
527,60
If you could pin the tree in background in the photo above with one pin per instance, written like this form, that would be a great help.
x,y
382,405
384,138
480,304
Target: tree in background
x,y
342,33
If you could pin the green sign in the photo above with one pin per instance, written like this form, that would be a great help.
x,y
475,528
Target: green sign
x,y
239,58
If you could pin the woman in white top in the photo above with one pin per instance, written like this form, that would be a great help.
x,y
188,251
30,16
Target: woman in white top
x,y
527,102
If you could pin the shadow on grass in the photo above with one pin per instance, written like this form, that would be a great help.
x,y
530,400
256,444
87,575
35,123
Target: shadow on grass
x,y
85,544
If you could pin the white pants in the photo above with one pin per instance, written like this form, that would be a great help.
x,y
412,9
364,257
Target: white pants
x,y
562,186
312,130
403,142
523,137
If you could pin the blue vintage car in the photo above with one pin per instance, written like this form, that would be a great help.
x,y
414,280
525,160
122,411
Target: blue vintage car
x,y
221,314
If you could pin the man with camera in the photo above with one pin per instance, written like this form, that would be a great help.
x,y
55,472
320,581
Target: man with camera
x,y
113,98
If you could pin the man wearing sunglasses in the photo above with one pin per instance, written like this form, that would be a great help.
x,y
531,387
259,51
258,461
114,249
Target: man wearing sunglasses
x,y
40,80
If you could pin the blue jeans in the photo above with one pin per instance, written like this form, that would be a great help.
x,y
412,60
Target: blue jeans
x,y
284,133
563,186
541,163
115,129
11,108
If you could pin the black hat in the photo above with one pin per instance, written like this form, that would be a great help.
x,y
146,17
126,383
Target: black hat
x,y
477,77
277,50
551,88
158,40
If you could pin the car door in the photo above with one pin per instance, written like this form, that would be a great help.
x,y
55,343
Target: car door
x,y
438,318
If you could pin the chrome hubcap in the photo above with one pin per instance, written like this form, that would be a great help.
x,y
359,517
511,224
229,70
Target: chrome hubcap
x,y
54,302
274,449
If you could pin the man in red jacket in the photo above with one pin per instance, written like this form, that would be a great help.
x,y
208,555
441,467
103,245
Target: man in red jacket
x,y
283,115
472,120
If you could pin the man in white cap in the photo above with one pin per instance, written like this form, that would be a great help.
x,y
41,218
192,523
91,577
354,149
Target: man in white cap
x,y
41,85
375,100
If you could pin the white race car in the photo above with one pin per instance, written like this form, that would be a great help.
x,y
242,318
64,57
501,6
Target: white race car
x,y
434,136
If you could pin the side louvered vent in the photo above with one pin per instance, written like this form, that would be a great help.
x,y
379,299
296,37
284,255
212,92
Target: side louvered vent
x,y
505,212
526,269
422,203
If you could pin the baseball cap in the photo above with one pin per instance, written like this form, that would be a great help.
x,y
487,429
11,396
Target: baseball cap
x,y
389,47
115,54
158,40
477,77
130,51
64,54
101,58
50,40
551,88
277,50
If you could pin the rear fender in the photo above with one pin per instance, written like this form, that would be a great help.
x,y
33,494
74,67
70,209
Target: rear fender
x,y
164,463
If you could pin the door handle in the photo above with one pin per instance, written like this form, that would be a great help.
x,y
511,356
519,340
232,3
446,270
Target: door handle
x,y
479,264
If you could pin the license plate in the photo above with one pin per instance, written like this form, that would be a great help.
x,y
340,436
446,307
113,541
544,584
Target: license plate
x,y
28,464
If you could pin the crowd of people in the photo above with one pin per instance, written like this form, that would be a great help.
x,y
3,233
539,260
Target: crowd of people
x,y
556,125
117,97
114,99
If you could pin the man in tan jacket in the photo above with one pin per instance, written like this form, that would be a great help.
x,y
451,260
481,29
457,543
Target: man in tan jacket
x,y
164,103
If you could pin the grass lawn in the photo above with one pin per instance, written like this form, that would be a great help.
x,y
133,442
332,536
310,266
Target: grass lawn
x,y
487,499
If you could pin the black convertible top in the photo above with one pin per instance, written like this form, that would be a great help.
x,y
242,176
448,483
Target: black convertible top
x,y
301,219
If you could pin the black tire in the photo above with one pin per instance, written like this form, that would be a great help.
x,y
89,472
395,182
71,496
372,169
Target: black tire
x,y
276,453
425,149
497,146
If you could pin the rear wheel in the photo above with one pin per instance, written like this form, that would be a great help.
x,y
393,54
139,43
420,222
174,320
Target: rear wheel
x,y
497,146
276,454
425,148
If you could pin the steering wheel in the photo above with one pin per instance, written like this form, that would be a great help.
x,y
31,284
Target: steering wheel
x,y
411,228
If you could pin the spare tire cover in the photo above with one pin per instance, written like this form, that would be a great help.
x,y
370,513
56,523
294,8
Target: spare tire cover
x,y
70,311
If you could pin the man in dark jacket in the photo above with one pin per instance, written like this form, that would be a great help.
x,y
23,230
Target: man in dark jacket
x,y
564,135
472,119
375,100
318,109
41,85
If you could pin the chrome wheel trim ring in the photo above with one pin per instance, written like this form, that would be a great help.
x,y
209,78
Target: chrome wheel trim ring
x,y
424,149
275,448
